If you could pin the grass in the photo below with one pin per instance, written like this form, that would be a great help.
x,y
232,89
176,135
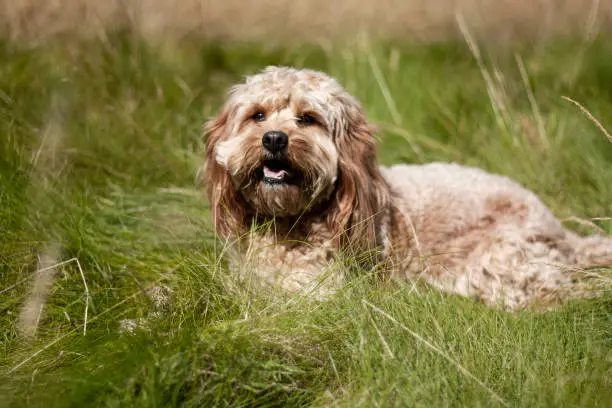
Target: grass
x,y
99,152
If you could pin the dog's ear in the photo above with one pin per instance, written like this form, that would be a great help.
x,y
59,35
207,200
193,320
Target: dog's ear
x,y
226,204
362,195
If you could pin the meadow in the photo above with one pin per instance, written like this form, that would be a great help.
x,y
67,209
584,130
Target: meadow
x,y
101,142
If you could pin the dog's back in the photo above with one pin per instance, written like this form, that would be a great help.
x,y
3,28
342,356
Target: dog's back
x,y
485,235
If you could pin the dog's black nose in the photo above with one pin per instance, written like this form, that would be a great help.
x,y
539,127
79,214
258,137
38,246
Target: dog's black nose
x,y
275,141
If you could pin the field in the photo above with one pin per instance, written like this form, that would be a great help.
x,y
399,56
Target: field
x,y
98,204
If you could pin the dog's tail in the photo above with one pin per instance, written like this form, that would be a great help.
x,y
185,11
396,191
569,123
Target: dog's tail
x,y
592,251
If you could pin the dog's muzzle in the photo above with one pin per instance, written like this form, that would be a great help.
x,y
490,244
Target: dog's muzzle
x,y
276,169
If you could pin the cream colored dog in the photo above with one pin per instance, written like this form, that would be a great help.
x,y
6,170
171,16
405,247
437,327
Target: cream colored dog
x,y
291,174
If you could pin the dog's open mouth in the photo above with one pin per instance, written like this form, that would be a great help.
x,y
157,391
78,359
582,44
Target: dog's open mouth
x,y
277,172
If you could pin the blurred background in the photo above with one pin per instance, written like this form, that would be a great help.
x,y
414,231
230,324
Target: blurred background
x,y
276,21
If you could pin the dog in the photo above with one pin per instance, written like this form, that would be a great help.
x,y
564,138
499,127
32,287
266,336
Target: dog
x,y
291,175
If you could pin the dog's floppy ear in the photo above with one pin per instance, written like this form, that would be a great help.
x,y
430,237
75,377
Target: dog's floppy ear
x,y
226,204
361,195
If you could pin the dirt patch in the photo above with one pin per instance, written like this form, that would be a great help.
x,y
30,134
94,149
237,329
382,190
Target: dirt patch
x,y
314,20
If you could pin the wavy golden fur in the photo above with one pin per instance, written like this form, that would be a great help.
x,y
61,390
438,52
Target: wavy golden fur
x,y
293,151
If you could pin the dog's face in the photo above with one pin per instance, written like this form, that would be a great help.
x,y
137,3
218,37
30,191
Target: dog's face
x,y
278,146
285,141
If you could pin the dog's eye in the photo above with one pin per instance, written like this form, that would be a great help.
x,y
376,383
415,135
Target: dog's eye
x,y
306,120
258,116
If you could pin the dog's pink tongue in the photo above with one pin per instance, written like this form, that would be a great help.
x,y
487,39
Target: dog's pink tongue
x,y
276,174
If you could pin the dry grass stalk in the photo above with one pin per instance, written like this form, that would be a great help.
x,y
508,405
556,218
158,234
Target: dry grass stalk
x,y
590,116
46,165
32,309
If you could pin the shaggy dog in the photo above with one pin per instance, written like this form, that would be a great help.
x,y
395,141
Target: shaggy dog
x,y
291,174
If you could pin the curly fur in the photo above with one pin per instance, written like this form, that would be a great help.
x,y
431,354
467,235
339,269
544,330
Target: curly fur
x,y
458,228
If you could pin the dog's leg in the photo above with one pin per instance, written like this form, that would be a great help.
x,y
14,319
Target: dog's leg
x,y
514,271
511,270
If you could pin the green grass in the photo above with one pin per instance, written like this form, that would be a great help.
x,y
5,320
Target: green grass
x,y
100,145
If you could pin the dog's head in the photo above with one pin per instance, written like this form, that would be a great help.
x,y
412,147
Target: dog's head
x,y
288,141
